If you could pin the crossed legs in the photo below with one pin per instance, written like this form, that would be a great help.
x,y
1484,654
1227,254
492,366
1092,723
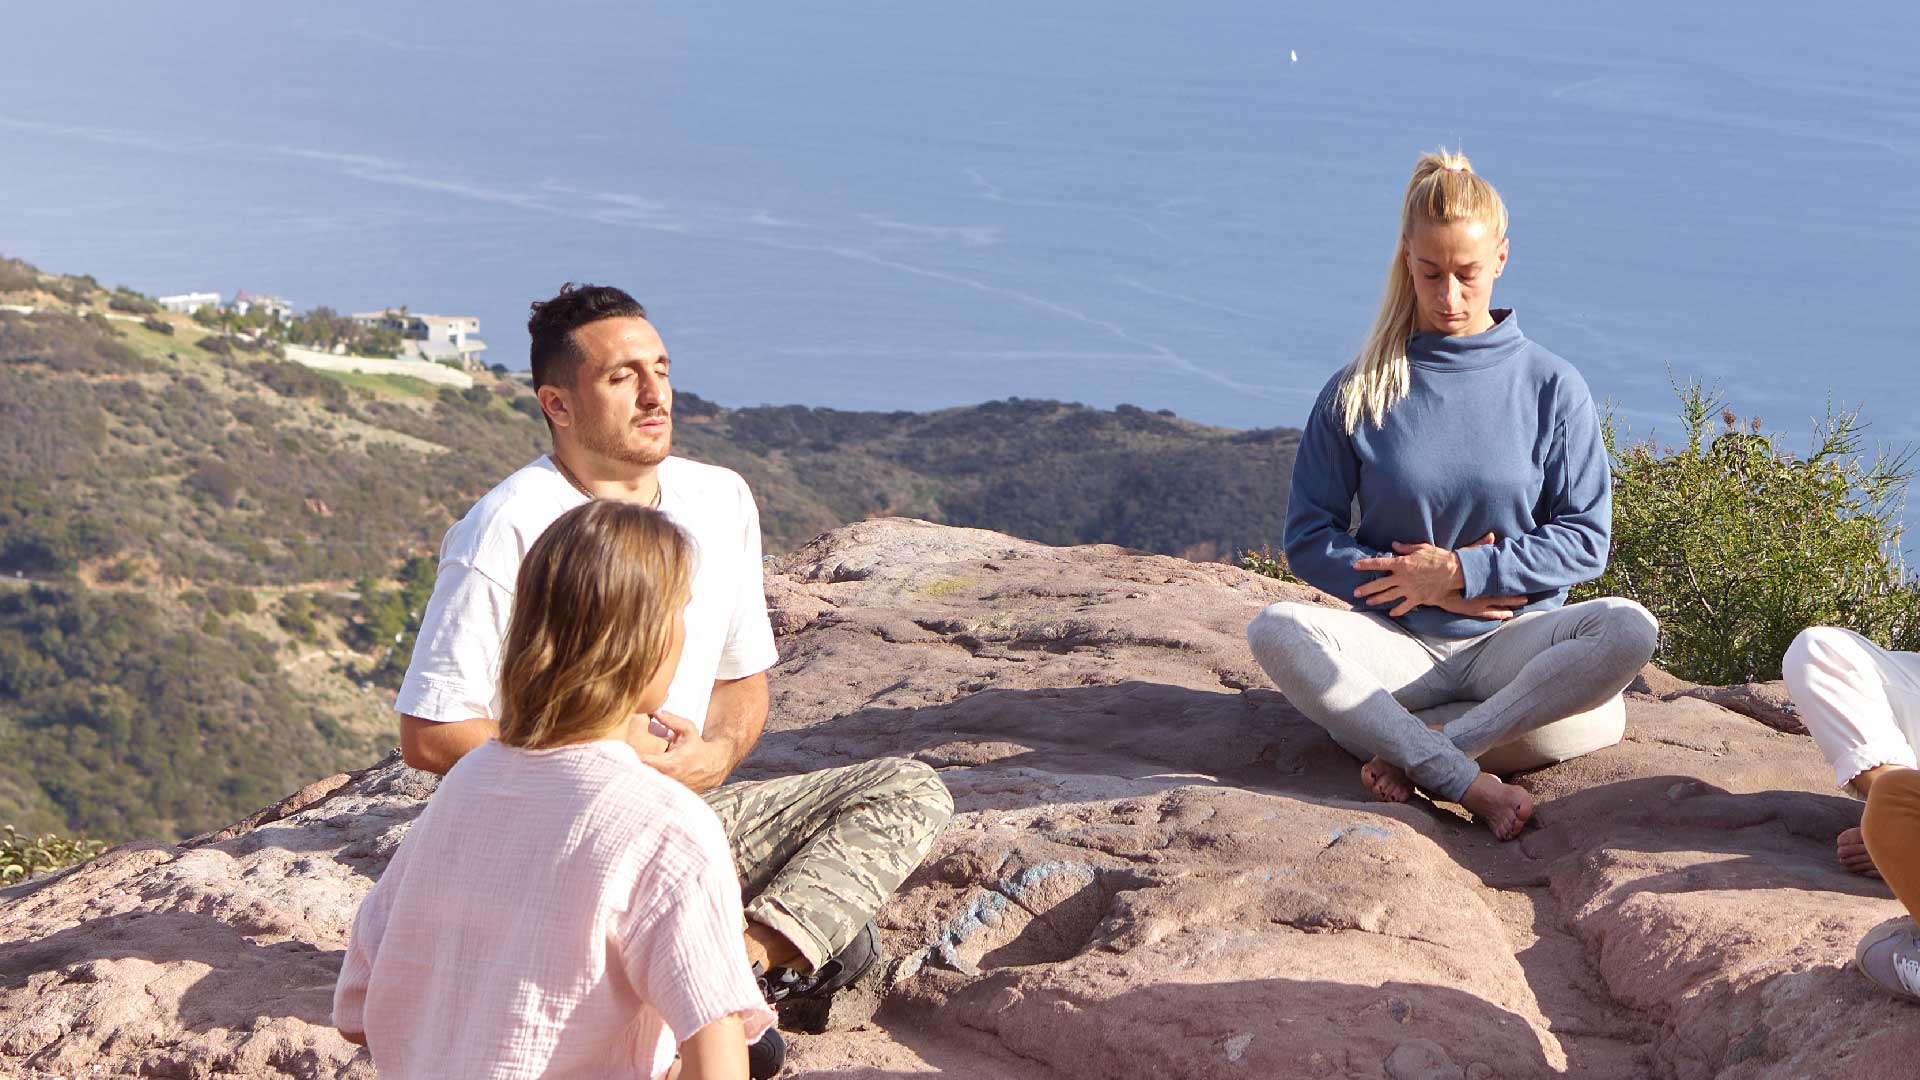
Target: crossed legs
x,y
820,852
1359,675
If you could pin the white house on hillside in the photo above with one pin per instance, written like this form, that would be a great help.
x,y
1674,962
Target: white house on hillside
x,y
431,337
272,305
188,303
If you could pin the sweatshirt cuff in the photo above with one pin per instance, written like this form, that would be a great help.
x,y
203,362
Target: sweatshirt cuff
x,y
1476,566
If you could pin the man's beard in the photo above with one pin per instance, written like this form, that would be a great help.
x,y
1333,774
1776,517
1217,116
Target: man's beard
x,y
608,444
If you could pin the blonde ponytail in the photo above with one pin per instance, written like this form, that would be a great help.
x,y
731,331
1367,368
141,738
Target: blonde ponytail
x,y
1444,189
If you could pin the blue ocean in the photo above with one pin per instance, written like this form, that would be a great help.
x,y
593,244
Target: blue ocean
x,y
891,205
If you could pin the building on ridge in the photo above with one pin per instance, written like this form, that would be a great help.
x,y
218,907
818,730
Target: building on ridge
x,y
188,303
443,338
272,305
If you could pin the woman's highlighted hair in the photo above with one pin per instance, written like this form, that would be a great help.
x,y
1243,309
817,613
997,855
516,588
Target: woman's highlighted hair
x,y
593,617
1444,189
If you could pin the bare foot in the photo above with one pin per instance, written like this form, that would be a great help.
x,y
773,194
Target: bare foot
x,y
1386,780
1503,807
1851,849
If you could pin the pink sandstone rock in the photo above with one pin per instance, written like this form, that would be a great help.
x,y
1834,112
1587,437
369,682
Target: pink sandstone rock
x,y
1158,869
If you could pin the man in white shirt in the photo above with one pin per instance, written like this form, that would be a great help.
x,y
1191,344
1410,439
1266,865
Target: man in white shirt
x,y
817,853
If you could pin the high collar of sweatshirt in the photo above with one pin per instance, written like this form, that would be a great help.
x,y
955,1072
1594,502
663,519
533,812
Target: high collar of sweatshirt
x,y
1438,352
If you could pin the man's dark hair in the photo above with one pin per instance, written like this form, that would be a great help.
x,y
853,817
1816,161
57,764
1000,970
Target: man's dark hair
x,y
552,354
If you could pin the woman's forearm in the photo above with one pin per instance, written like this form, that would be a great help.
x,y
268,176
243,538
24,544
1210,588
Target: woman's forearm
x,y
716,1052
1558,555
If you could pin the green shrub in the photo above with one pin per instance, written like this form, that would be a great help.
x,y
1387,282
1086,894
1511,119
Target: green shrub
x,y
529,407
1271,563
74,290
157,325
215,343
125,299
120,571
1736,545
289,379
66,343
296,617
388,619
16,276
41,533
379,342
218,479
22,857
688,403
227,600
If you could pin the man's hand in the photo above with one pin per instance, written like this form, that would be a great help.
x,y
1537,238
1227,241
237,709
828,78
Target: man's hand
x,y
645,741
698,763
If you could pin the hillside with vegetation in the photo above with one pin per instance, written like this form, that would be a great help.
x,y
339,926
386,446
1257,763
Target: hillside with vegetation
x,y
211,559
1044,470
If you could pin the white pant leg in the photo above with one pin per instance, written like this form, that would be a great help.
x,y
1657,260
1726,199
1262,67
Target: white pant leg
x,y
1860,702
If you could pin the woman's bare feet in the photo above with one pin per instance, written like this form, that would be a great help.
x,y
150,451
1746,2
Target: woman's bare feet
x,y
1503,807
1851,849
1386,780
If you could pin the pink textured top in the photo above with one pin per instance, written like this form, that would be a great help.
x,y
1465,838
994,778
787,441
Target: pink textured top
x,y
566,913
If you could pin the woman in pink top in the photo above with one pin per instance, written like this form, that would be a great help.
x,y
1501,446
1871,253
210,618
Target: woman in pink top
x,y
561,910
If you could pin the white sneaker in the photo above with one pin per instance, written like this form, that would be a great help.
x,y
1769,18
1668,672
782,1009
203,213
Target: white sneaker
x,y
1890,956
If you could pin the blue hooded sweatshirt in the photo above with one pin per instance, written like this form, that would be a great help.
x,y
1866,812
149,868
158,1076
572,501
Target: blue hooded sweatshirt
x,y
1496,434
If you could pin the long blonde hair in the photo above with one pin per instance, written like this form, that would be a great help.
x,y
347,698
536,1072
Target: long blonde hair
x,y
592,623
1444,189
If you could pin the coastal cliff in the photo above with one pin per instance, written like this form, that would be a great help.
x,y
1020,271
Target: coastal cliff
x,y
1157,868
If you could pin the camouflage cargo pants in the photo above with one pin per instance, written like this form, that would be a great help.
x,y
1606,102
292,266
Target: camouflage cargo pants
x,y
818,853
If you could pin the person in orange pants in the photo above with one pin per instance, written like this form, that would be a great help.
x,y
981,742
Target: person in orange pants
x,y
1861,703
1890,953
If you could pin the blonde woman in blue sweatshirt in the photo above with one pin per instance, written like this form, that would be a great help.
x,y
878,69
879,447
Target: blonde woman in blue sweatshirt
x,y
1451,484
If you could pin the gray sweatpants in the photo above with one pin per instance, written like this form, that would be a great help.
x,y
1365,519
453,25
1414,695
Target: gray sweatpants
x,y
1359,675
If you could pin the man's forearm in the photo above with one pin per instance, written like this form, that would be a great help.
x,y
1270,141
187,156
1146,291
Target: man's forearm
x,y
434,747
737,715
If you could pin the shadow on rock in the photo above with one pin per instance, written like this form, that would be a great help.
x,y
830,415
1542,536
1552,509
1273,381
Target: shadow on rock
x,y
1129,730
210,973
1070,1030
1781,839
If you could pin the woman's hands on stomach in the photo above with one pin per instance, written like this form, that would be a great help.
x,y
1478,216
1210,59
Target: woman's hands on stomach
x,y
1422,575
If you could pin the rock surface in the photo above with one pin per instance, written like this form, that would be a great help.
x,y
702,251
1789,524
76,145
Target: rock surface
x,y
1158,869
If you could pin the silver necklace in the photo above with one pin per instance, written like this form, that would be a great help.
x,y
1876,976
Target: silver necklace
x,y
583,489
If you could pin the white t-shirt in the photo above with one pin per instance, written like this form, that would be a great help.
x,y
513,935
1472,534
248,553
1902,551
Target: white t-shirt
x,y
455,671
567,914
